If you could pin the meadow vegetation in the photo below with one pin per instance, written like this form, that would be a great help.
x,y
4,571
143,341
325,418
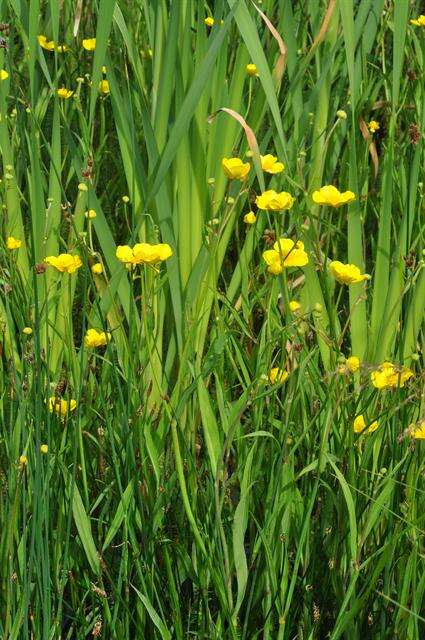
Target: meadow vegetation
x,y
211,319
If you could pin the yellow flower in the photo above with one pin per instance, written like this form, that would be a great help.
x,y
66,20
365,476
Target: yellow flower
x,y
144,253
64,262
82,187
273,201
13,243
251,69
90,214
277,375
373,427
3,74
64,93
388,375
331,196
419,21
209,22
294,306
104,87
94,338
250,217
23,460
97,269
347,273
285,253
125,199
418,431
353,364
60,406
235,169
125,254
270,164
44,448
359,425
27,331
49,45
89,44
373,126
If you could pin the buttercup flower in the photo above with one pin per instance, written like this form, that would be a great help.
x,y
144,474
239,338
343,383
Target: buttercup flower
x,y
23,460
3,74
270,164
347,273
418,431
285,253
250,217
251,69
277,375
143,253
61,407
330,195
48,45
235,169
353,364
27,331
89,44
64,93
64,262
13,243
294,306
209,22
44,448
104,87
272,201
94,338
373,126
419,22
90,214
97,269
359,425
388,375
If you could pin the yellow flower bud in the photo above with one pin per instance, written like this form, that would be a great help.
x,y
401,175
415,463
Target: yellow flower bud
x,y
97,269
251,69
250,217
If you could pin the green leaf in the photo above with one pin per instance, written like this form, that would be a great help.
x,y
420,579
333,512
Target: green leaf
x,y
120,514
165,634
82,522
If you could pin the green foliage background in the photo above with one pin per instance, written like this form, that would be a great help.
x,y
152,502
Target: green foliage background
x,y
186,497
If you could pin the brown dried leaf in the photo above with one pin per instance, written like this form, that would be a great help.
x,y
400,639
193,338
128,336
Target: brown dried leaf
x,y
279,68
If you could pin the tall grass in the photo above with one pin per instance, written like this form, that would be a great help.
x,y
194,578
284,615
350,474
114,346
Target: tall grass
x,y
186,496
